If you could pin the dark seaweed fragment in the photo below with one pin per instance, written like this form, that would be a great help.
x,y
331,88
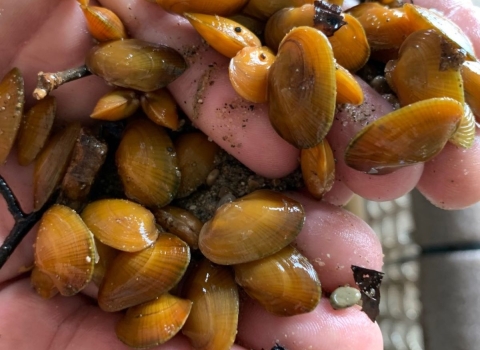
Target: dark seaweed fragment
x,y
369,282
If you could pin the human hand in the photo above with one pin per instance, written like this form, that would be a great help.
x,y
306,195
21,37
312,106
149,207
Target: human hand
x,y
53,38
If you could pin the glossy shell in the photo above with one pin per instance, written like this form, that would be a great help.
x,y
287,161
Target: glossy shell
x,y
103,24
65,250
263,9
135,64
52,163
285,283
147,164
221,8
301,88
35,129
154,322
348,89
248,72
252,227
160,108
213,321
121,224
465,134
223,34
181,223
116,105
12,99
196,159
134,278
471,84
409,135
318,168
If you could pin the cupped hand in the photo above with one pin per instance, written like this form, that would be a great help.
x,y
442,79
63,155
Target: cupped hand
x,y
50,35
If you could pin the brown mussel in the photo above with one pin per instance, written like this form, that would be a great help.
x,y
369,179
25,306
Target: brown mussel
x,y
135,64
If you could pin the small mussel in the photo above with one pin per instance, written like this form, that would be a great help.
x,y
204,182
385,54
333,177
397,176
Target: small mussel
x,y
160,108
212,324
301,88
65,249
344,297
409,135
181,223
12,100
121,224
154,322
116,105
135,64
223,34
103,24
471,84
221,8
263,9
134,278
285,283
147,164
252,227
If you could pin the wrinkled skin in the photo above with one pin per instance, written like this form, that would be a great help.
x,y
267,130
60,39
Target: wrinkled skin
x,y
50,35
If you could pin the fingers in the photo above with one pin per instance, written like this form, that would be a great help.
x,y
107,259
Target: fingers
x,y
321,329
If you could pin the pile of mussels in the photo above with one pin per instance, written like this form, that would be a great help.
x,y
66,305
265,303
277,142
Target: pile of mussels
x,y
165,265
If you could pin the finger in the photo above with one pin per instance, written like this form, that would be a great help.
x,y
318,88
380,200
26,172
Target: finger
x,y
333,239
61,323
205,93
321,329
346,125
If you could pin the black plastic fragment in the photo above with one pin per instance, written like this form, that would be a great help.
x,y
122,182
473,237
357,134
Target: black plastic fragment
x,y
369,282
328,17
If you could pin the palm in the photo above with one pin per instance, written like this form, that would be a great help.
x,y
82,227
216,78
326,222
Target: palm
x,y
50,37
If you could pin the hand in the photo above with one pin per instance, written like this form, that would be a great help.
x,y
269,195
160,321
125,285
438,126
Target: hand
x,y
49,35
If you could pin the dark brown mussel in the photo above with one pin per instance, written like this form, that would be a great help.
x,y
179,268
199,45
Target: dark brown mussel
x,y
301,88
35,129
252,227
12,99
134,278
285,283
318,168
147,164
196,159
223,34
212,324
181,223
52,163
221,8
65,249
135,64
154,322
121,224
423,71
409,135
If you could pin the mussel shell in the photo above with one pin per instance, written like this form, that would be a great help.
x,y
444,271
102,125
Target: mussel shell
x,y
106,255
35,129
147,164
52,163
154,322
348,89
221,8
181,223
423,18
301,88
263,9
213,321
134,278
196,159
318,168
223,34
285,283
252,227
409,135
103,24
65,249
465,134
160,108
12,100
121,224
116,105
43,284
135,64
417,74
248,72
471,84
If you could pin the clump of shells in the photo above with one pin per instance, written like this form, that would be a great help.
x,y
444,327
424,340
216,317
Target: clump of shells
x,y
149,256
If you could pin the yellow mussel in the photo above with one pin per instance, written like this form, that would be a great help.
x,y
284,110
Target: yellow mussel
x,y
43,284
221,8
160,108
264,9
251,227
471,83
103,24
116,105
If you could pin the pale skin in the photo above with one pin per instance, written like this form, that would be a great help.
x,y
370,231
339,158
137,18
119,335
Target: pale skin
x,y
50,35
